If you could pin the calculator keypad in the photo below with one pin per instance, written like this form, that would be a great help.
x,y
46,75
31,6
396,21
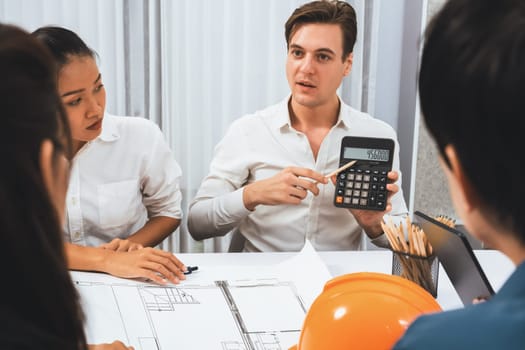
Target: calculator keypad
x,y
362,188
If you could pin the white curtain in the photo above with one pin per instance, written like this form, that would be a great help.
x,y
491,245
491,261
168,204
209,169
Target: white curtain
x,y
195,66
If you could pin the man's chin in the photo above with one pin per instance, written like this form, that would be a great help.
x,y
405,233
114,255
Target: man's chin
x,y
305,100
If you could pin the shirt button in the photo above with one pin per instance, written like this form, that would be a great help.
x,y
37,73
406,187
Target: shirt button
x,y
74,201
76,235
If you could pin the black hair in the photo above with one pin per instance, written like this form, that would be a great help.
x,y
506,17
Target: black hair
x,y
63,44
472,91
42,303
328,12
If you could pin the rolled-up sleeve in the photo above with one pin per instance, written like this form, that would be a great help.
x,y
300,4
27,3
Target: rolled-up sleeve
x,y
218,206
161,180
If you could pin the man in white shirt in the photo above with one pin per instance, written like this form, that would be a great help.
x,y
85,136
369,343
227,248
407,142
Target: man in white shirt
x,y
266,179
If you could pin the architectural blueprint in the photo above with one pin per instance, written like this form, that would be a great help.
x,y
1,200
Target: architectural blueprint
x,y
262,312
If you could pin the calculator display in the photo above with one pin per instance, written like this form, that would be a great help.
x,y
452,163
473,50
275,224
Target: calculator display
x,y
363,185
381,155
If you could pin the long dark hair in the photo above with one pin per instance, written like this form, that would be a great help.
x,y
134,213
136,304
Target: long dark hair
x,y
42,296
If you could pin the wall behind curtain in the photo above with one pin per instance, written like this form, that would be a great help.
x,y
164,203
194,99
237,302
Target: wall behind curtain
x,y
432,194
195,66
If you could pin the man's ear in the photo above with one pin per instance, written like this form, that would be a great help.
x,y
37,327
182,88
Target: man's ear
x,y
348,63
46,163
468,194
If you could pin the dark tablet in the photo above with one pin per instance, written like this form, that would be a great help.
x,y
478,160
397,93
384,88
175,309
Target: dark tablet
x,y
457,258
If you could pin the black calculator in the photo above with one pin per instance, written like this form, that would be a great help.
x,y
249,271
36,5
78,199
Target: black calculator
x,y
363,185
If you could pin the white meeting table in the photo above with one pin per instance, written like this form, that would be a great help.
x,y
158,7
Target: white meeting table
x,y
143,315
497,266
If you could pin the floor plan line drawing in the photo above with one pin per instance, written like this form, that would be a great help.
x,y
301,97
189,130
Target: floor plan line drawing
x,y
245,332
223,285
120,313
264,314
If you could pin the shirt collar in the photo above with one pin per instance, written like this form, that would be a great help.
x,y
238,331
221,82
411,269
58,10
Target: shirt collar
x,y
282,117
110,131
344,116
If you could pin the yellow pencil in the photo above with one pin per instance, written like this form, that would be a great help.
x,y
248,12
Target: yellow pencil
x,y
338,170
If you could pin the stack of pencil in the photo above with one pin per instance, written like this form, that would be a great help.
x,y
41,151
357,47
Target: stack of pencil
x,y
446,220
413,253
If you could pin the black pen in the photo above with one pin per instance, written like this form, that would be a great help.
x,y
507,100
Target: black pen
x,y
190,269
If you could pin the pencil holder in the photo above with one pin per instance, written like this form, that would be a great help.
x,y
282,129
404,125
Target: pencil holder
x,y
421,270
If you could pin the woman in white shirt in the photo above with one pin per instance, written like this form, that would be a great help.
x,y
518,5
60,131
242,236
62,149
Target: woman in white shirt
x,y
123,190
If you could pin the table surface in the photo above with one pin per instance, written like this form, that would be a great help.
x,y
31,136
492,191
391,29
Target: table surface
x,y
497,266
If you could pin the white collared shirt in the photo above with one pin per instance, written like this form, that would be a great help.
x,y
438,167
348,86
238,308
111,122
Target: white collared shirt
x,y
259,146
125,176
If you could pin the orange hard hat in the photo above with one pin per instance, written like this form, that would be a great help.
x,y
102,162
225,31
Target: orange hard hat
x,y
363,311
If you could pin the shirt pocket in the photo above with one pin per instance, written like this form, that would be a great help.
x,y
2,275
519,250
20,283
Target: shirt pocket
x,y
118,203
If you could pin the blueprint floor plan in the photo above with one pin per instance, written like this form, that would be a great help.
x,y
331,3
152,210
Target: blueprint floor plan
x,y
242,315
225,307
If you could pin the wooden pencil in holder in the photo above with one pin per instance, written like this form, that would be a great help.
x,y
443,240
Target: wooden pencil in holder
x,y
423,270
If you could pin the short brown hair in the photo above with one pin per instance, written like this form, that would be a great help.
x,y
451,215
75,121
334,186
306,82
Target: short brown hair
x,y
329,12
